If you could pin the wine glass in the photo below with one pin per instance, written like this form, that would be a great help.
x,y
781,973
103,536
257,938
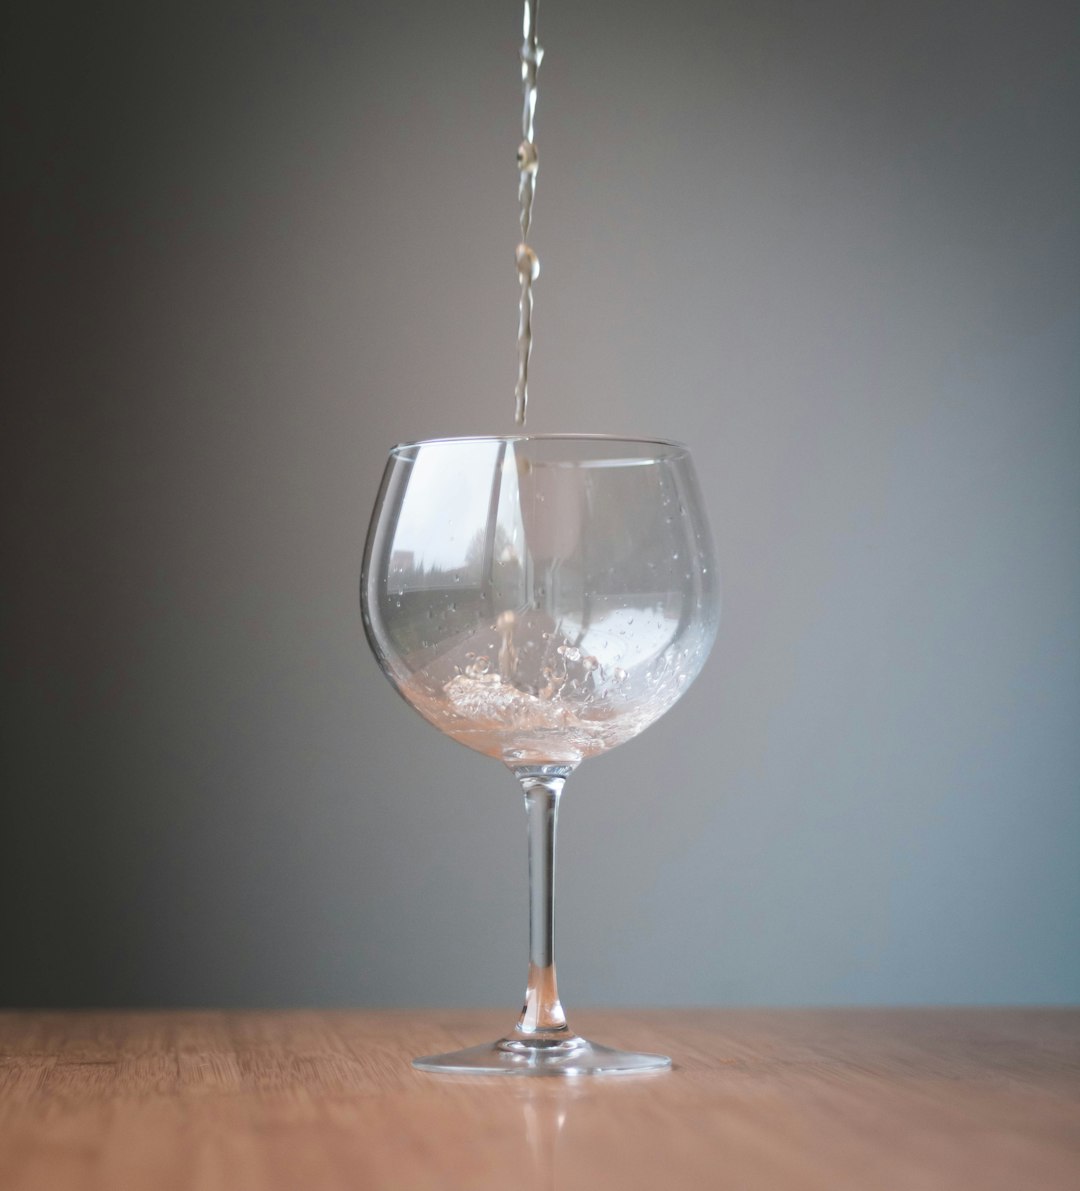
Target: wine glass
x,y
541,599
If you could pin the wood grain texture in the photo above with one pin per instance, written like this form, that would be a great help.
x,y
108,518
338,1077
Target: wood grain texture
x,y
871,1100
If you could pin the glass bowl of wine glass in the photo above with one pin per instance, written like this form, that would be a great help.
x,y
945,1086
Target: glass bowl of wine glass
x,y
540,599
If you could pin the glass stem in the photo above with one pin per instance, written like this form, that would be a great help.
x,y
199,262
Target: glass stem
x,y
542,1018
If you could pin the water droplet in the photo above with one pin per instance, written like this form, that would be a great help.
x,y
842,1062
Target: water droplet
x,y
569,652
526,157
680,679
528,262
619,674
532,53
590,663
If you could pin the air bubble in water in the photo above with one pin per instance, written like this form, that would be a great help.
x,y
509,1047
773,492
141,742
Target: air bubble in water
x,y
478,670
528,262
526,157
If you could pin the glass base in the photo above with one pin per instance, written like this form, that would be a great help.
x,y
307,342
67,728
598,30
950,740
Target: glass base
x,y
514,1056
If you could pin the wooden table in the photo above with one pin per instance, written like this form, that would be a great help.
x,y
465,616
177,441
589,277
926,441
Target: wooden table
x,y
871,1100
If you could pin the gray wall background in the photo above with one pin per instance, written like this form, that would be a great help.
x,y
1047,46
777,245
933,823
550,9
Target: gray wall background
x,y
834,246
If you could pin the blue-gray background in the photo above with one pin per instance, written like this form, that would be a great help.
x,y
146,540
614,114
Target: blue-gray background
x,y
833,246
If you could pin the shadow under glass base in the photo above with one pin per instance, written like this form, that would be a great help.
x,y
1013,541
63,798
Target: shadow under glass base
x,y
569,1056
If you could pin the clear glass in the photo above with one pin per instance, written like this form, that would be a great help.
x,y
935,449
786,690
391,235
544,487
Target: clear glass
x,y
540,599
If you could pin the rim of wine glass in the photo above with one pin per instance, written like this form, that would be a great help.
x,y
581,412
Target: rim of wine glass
x,y
672,447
